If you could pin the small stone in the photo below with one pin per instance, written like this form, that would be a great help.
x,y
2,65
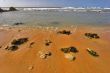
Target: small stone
x,y
0,46
19,30
43,56
70,56
64,32
48,53
47,42
32,43
30,67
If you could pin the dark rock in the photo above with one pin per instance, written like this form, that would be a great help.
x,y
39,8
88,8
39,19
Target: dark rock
x,y
18,23
7,47
19,30
73,49
32,43
0,46
92,35
64,32
19,41
44,54
12,9
12,48
47,42
1,10
48,54
65,50
92,52
69,49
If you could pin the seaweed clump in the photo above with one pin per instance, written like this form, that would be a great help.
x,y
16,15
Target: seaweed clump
x,y
92,35
64,32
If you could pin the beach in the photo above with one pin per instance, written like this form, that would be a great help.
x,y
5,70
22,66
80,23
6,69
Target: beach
x,y
26,59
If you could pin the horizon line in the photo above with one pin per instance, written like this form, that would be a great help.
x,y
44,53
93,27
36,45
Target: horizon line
x,y
48,7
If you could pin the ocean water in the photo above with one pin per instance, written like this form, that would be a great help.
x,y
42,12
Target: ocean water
x,y
55,18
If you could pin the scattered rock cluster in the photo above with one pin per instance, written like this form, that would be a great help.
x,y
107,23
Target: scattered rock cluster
x,y
69,52
92,35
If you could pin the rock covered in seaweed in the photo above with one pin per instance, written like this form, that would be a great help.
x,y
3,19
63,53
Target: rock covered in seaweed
x,y
19,41
92,35
12,9
12,48
64,32
69,49
92,52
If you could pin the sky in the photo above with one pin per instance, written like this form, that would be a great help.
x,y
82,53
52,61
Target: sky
x,y
55,3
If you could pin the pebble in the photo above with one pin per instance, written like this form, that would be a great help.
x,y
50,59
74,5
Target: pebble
x,y
70,56
30,67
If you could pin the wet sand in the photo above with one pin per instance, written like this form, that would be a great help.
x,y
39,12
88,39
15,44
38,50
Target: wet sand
x,y
27,60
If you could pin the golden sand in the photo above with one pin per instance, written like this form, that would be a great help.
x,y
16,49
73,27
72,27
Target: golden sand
x,y
26,59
